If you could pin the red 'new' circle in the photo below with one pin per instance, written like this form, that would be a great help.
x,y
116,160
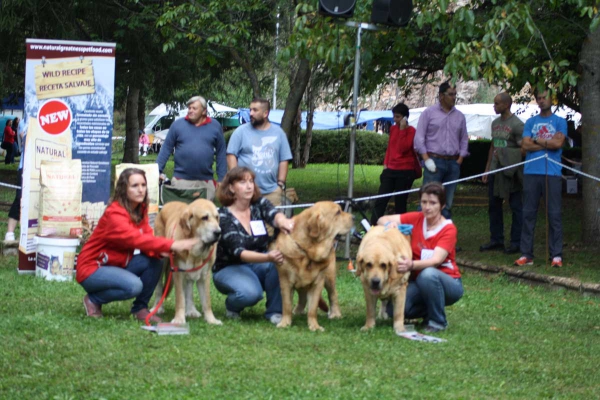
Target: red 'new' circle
x,y
54,117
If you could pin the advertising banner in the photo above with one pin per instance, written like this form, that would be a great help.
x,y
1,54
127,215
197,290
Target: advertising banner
x,y
69,99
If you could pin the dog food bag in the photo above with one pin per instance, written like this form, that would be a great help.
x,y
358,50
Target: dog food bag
x,y
60,198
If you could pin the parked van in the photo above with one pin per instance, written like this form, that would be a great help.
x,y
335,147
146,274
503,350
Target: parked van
x,y
163,116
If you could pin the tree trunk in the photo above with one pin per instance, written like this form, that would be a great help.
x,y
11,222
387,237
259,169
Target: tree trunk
x,y
292,104
589,94
141,111
294,138
248,69
130,154
309,128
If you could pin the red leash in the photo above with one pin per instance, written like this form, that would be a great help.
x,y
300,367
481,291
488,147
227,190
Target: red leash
x,y
174,268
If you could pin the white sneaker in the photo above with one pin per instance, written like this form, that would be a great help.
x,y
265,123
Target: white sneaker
x,y
232,315
10,236
275,319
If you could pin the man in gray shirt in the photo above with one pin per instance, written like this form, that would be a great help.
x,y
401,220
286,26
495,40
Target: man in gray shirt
x,y
263,147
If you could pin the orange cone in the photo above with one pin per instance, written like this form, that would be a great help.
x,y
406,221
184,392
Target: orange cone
x,y
350,265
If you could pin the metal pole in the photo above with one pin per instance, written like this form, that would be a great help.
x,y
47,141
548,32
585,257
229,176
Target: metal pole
x,y
274,105
353,132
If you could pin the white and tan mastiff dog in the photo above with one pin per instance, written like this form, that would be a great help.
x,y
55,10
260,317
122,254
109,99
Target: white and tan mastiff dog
x,y
376,263
178,220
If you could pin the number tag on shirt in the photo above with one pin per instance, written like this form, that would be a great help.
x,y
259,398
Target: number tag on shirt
x,y
258,228
426,254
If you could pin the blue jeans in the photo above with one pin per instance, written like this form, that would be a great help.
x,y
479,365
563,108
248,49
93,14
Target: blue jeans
x,y
497,216
534,189
445,171
428,295
244,285
137,280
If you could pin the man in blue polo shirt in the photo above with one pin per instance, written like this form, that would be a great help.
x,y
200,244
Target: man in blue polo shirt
x,y
543,134
197,140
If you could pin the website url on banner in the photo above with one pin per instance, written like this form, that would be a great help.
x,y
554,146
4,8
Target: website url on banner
x,y
79,49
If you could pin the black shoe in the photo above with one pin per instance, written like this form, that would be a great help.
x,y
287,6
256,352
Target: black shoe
x,y
512,250
491,246
457,249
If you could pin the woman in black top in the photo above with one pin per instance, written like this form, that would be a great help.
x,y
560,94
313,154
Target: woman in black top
x,y
244,267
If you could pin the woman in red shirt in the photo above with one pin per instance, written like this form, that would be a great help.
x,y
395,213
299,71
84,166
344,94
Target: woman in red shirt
x,y
398,166
9,139
122,258
435,280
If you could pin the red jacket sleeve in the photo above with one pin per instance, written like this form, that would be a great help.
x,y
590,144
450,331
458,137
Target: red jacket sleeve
x,y
126,236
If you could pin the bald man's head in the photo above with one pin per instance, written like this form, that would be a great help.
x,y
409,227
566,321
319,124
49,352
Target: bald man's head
x,y
502,103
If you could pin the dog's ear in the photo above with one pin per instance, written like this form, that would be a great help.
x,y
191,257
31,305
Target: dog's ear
x,y
359,268
185,222
315,225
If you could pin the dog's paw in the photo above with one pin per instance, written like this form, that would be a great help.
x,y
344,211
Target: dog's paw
x,y
284,324
214,321
399,330
316,328
193,313
178,320
367,328
334,314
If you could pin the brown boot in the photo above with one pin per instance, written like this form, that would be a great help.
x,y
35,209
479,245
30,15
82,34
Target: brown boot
x,y
91,309
143,313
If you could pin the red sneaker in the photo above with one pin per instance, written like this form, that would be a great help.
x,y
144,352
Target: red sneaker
x,y
557,262
143,313
91,309
523,261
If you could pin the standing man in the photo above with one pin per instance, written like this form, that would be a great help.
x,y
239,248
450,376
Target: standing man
x,y
264,148
442,141
197,140
543,134
505,150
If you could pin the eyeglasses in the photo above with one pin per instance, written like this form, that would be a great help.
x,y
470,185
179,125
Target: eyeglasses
x,y
451,94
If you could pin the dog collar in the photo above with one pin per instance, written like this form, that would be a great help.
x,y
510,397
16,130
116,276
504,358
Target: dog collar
x,y
175,268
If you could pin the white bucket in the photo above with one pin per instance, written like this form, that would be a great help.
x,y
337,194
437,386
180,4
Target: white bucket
x,y
55,258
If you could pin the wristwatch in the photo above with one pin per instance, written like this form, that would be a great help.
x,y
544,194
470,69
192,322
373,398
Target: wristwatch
x,y
281,184
535,140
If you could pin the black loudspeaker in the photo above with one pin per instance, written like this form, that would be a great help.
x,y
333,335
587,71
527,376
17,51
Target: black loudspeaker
x,y
391,12
337,8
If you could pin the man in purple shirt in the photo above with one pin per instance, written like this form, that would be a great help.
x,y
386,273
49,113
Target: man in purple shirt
x,y
442,142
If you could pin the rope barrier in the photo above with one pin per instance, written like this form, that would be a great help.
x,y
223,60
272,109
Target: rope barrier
x,y
378,196
8,185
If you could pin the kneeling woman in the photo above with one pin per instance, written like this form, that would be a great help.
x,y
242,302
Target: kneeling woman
x,y
244,268
435,280
121,260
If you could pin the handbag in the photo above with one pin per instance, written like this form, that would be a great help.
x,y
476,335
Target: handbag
x,y
418,168
5,145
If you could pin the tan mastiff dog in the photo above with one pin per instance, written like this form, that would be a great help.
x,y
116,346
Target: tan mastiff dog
x,y
178,220
309,260
376,263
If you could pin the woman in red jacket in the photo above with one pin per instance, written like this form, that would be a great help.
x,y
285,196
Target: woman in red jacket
x,y
399,164
9,139
122,258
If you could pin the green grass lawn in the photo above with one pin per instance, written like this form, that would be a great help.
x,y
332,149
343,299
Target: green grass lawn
x,y
505,340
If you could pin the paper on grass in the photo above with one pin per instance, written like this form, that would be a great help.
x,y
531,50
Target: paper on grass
x,y
419,337
168,329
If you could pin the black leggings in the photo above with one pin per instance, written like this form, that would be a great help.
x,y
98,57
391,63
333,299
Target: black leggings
x,y
15,208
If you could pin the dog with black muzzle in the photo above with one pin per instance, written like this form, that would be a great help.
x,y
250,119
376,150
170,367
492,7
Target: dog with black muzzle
x,y
178,220
376,265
